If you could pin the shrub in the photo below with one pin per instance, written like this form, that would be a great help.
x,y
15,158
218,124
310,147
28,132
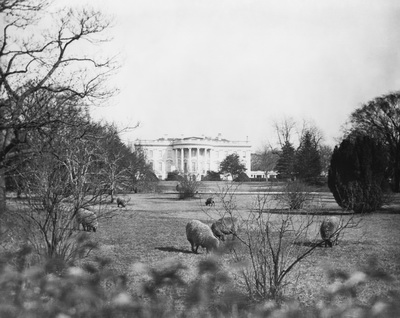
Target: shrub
x,y
295,195
242,177
212,176
174,176
357,174
187,187
93,290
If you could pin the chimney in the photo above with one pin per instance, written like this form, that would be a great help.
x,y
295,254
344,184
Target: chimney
x,y
219,136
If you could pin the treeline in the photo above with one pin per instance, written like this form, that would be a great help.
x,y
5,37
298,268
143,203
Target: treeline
x,y
76,156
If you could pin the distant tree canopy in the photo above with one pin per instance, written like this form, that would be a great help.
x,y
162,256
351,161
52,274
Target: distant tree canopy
x,y
325,153
232,165
265,160
356,176
380,118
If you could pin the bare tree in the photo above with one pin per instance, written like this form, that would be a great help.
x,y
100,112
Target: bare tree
x,y
266,159
60,179
285,130
36,58
325,152
309,127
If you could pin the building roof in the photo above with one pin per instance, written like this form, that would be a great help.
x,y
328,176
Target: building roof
x,y
203,140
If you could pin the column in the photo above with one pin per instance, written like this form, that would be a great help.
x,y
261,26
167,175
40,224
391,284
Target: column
x,y
209,167
206,159
190,160
176,159
182,160
198,161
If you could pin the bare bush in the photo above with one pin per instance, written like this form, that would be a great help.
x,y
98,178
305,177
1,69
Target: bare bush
x,y
271,243
187,187
295,195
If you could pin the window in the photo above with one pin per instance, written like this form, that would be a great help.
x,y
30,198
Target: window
x,y
169,165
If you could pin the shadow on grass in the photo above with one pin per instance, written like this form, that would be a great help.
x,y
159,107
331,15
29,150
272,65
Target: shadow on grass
x,y
308,244
309,212
175,198
173,250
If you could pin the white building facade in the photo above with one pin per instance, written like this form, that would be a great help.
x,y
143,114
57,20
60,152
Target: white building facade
x,y
192,155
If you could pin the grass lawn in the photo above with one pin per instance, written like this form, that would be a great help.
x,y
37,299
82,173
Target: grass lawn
x,y
150,230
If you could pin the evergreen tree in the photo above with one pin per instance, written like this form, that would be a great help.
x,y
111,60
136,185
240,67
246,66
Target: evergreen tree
x,y
285,165
308,161
357,174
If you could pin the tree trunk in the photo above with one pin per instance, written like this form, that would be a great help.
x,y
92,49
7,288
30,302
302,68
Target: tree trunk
x,y
2,191
396,180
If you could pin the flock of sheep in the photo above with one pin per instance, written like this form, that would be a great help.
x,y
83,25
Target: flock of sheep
x,y
200,234
208,237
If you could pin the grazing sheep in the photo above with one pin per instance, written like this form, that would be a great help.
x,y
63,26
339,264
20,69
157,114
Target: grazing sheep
x,y
224,226
200,234
210,201
88,219
329,230
121,202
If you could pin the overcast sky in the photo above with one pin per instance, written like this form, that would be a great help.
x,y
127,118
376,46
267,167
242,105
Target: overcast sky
x,y
233,67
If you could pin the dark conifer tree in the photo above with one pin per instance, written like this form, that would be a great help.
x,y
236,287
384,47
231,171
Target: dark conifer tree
x,y
285,165
357,174
308,162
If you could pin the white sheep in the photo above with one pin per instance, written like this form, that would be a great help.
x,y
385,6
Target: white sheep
x,y
200,234
121,202
224,226
88,219
330,230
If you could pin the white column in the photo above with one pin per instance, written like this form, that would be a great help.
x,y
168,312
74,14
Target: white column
x,y
198,161
207,158
182,160
190,160
176,159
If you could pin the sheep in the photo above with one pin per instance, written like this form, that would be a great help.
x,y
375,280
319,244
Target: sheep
x,y
224,226
121,202
88,219
210,201
200,234
329,230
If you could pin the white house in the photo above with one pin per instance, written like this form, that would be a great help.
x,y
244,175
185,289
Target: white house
x,y
192,155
